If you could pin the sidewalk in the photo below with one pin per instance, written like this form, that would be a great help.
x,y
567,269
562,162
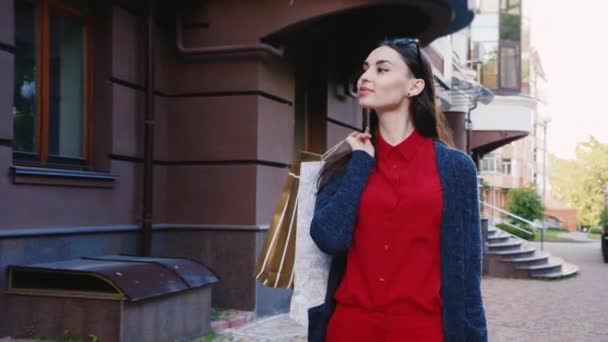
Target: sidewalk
x,y
577,236
516,309
277,328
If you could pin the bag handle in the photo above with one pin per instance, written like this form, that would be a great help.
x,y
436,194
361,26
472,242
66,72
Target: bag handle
x,y
337,146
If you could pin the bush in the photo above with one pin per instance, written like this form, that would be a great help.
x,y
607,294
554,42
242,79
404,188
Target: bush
x,y
595,230
517,232
526,203
559,229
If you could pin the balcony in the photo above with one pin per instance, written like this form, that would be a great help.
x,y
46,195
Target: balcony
x,y
498,180
504,120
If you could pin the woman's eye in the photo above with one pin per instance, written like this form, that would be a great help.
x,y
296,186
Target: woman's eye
x,y
380,70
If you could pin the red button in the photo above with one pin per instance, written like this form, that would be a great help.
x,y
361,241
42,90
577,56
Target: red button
x,y
386,247
381,279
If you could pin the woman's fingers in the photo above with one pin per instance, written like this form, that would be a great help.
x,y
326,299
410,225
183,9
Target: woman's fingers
x,y
357,139
360,141
360,135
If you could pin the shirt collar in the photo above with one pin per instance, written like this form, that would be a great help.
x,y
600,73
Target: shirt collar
x,y
407,148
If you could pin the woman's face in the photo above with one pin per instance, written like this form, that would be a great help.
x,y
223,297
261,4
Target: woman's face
x,y
386,81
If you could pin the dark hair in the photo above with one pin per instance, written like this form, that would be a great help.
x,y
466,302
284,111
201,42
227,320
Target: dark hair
x,y
428,119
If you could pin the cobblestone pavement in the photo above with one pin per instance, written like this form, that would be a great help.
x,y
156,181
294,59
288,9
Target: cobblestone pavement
x,y
574,309
272,329
568,310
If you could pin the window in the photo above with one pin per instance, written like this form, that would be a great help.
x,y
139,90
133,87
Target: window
x,y
510,42
496,39
509,66
511,6
51,83
506,167
510,27
492,164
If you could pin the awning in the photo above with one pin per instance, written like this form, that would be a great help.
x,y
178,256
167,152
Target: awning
x,y
462,15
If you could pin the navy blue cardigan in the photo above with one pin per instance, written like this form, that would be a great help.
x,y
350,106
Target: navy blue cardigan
x,y
333,223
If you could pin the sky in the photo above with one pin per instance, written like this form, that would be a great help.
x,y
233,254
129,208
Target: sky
x,y
572,40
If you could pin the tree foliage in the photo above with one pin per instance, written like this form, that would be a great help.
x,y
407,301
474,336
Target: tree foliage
x,y
580,182
526,203
604,217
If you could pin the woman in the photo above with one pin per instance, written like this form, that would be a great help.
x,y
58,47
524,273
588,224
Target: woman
x,y
400,215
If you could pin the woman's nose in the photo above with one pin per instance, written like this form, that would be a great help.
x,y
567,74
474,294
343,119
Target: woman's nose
x,y
364,78
365,75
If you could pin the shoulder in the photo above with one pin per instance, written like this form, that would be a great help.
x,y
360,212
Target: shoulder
x,y
457,160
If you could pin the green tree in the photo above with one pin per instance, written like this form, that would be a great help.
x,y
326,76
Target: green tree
x,y
526,203
580,182
604,217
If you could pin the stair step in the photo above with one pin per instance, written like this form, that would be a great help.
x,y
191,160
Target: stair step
x,y
543,267
513,253
528,259
504,245
567,271
552,265
498,238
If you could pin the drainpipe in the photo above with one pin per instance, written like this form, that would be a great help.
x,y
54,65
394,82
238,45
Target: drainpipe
x,y
219,49
148,179
469,128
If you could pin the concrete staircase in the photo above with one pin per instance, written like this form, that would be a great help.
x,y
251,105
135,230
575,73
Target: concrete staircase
x,y
509,256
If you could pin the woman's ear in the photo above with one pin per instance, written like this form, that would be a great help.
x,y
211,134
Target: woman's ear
x,y
416,87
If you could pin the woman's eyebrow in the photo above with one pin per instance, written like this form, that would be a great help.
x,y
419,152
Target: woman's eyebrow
x,y
378,62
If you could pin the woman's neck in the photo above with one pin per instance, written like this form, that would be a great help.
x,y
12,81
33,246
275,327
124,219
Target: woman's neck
x,y
395,126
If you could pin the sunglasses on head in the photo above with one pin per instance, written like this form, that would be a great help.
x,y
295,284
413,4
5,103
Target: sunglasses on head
x,y
405,42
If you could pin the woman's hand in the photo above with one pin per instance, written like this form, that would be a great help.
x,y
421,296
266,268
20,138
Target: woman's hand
x,y
361,141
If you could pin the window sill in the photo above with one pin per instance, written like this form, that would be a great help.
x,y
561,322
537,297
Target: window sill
x,y
59,177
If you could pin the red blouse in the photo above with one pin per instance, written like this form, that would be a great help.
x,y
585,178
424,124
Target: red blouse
x,y
393,264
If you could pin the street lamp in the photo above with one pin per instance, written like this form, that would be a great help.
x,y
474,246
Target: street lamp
x,y
543,122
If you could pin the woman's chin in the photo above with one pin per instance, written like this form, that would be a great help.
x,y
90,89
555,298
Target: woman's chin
x,y
363,102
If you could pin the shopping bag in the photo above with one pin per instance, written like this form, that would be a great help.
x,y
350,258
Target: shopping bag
x,y
311,265
275,264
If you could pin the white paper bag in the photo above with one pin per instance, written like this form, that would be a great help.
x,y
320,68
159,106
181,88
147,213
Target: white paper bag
x,y
311,267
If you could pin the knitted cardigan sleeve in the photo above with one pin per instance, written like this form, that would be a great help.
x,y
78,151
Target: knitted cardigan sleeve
x,y
337,205
474,311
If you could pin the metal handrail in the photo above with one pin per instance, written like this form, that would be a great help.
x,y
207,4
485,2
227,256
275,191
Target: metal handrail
x,y
513,236
533,224
511,225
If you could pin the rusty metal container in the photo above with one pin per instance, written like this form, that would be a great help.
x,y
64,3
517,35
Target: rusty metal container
x,y
115,298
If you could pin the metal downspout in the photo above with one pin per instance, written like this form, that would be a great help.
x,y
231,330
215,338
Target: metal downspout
x,y
148,179
220,49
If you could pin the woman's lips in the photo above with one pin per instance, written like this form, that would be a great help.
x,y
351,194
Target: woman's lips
x,y
364,91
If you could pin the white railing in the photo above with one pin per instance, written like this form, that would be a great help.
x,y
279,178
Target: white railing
x,y
532,224
524,242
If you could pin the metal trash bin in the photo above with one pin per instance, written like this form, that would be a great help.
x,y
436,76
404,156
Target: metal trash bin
x,y
115,298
